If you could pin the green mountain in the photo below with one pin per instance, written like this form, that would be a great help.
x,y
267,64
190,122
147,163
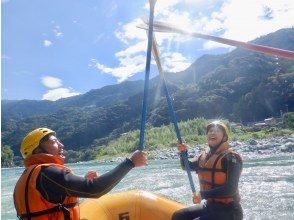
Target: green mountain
x,y
93,99
242,86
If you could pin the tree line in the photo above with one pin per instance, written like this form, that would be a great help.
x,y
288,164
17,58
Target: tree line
x,y
161,137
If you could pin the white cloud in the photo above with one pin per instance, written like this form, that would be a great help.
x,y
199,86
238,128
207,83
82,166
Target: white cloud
x,y
47,43
233,19
196,2
163,5
174,62
59,34
208,45
247,20
51,82
57,31
130,32
55,92
133,49
59,93
128,67
132,60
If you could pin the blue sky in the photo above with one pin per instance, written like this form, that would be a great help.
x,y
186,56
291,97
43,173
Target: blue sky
x,y
54,49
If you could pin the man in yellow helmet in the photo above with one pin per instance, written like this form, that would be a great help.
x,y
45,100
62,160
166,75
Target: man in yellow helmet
x,y
48,189
218,169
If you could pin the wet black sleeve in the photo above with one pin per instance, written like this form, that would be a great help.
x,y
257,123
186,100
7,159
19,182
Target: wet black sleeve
x,y
232,164
55,183
193,164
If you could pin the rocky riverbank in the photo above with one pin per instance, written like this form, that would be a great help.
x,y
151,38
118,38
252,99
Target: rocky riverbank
x,y
266,146
269,146
262,147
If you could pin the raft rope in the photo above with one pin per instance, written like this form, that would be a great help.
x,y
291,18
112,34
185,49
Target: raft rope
x,y
147,73
184,155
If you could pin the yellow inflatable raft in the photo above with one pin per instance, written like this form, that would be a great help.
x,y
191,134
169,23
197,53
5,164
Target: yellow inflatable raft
x,y
130,205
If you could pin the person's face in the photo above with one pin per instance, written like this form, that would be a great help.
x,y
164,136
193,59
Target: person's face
x,y
214,136
53,146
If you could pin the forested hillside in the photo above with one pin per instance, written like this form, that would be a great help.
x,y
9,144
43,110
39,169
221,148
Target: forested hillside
x,y
241,86
93,99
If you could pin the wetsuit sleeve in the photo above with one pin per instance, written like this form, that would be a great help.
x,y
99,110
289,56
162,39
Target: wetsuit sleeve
x,y
193,164
232,164
55,183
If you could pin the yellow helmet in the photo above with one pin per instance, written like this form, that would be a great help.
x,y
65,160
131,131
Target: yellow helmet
x,y
32,141
220,125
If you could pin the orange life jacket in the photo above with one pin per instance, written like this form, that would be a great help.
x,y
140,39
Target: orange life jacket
x,y
29,202
211,173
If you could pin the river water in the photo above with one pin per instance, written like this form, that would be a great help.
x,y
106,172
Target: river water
x,y
266,184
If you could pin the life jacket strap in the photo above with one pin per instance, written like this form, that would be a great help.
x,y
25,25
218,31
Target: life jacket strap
x,y
61,207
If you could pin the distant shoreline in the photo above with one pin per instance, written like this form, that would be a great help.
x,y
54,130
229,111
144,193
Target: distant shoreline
x,y
279,144
267,146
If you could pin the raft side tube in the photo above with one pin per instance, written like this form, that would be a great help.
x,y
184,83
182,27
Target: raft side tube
x,y
129,205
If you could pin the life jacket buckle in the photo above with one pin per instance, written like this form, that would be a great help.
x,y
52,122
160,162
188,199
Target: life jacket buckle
x,y
65,211
62,208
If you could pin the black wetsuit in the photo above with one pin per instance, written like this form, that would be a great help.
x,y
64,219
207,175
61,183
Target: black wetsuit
x,y
232,165
55,183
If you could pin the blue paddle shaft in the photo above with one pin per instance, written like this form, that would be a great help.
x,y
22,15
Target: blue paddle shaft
x,y
147,73
175,122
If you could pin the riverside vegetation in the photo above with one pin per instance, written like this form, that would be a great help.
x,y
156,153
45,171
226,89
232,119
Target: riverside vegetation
x,y
162,138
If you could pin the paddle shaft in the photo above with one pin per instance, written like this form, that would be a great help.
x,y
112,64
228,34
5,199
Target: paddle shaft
x,y
147,73
184,156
